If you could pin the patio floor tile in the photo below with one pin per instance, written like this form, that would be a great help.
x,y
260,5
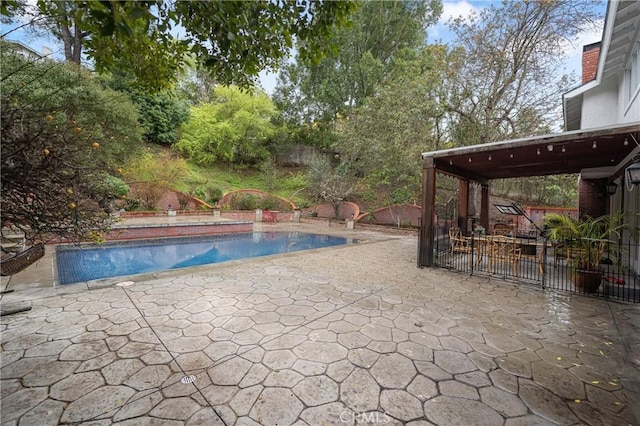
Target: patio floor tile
x,y
337,336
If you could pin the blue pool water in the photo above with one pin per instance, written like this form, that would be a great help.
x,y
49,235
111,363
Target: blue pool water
x,y
76,264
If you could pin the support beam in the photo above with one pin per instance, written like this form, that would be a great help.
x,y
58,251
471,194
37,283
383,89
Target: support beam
x,y
427,230
484,208
463,205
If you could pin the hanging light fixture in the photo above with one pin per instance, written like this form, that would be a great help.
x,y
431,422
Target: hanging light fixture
x,y
633,174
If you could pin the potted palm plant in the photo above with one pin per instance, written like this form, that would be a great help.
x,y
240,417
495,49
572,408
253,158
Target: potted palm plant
x,y
587,239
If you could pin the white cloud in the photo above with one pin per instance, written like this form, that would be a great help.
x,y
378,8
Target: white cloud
x,y
452,9
455,9
573,48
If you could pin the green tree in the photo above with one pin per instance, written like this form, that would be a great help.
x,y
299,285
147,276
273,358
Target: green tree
x,y
161,113
233,40
363,59
381,141
62,134
234,128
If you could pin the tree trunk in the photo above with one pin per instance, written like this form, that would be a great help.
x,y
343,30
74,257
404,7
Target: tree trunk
x,y
72,42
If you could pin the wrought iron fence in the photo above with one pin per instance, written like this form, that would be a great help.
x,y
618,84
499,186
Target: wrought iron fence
x,y
536,260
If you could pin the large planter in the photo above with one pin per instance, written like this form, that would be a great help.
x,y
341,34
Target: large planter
x,y
587,281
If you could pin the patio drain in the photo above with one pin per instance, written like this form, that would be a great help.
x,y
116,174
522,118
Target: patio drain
x,y
124,284
188,379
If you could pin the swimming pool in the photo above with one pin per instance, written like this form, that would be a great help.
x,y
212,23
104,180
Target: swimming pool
x,y
86,263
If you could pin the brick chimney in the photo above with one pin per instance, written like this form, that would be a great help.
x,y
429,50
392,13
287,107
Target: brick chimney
x,y
590,55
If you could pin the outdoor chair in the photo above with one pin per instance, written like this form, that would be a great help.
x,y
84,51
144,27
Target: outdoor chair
x,y
12,264
501,229
503,250
459,243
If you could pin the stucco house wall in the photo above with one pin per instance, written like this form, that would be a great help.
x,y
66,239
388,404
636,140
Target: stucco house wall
x,y
600,105
613,97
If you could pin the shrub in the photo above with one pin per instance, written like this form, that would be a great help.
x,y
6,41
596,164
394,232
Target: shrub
x,y
270,203
215,194
244,202
183,200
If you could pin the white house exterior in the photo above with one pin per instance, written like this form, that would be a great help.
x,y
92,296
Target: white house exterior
x,y
612,97
26,51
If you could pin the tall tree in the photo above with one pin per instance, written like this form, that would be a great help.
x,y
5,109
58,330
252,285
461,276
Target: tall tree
x,y
365,51
234,127
510,85
233,39
160,113
381,140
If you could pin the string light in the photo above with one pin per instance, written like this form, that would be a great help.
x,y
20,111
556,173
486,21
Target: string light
x,y
626,142
469,159
564,149
489,157
595,145
451,162
510,155
538,151
549,148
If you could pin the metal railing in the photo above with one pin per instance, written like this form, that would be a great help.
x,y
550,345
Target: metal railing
x,y
542,262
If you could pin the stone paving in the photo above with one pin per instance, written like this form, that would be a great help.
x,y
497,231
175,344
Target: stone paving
x,y
349,335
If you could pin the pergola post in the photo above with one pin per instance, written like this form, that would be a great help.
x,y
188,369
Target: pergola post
x,y
484,207
463,205
427,229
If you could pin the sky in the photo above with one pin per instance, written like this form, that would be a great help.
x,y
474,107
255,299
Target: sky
x,y
439,32
455,8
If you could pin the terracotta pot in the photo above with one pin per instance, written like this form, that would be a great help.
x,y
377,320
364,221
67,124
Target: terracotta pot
x,y
587,281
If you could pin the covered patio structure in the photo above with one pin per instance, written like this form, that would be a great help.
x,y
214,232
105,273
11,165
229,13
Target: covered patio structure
x,y
600,155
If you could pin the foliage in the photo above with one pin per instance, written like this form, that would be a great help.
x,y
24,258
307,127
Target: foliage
x,y
196,85
116,186
152,174
381,141
61,134
270,173
161,113
588,236
555,190
270,203
234,128
244,201
234,40
509,85
344,79
214,194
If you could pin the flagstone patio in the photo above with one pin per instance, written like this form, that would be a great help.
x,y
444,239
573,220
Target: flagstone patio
x,y
350,335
